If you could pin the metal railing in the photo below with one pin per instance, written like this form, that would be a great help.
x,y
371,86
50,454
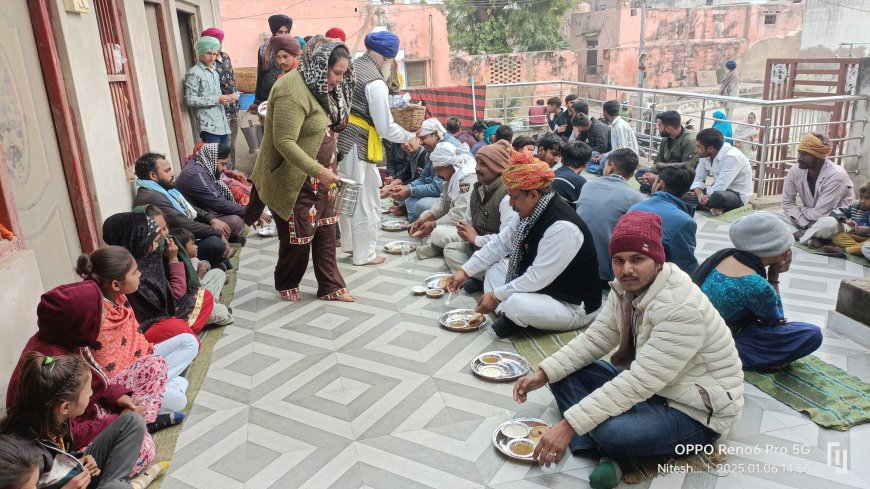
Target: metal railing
x,y
770,153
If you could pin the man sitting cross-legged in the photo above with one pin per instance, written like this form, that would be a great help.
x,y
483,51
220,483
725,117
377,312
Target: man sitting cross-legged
x,y
488,212
551,281
731,172
813,188
675,379
456,167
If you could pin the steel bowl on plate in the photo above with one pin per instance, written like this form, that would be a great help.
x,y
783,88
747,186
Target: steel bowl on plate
x,y
511,366
450,320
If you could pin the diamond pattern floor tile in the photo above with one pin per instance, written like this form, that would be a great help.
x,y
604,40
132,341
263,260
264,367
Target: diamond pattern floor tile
x,y
374,394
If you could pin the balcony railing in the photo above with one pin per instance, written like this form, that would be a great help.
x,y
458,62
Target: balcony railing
x,y
772,151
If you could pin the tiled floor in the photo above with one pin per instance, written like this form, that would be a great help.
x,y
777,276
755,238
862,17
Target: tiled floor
x,y
374,394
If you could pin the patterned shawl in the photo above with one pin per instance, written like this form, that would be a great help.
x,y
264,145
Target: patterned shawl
x,y
314,68
207,158
523,229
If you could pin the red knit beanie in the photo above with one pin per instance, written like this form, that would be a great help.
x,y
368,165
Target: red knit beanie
x,y
640,232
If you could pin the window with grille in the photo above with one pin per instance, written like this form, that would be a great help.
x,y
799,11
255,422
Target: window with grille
x,y
121,83
416,71
769,19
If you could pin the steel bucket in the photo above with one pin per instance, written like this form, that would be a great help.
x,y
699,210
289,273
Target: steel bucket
x,y
253,136
345,197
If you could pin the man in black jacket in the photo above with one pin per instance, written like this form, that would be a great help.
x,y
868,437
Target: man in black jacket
x,y
156,186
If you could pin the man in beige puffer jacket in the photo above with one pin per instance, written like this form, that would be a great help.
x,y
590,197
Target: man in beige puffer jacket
x,y
675,378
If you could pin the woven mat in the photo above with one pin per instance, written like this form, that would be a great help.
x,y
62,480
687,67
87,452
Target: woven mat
x,y
731,215
860,260
831,397
165,440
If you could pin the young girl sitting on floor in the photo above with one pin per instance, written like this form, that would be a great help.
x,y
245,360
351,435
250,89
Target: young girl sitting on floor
x,y
124,353
212,279
68,319
196,286
20,462
50,392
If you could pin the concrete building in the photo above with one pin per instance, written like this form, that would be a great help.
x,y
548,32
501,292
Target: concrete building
x,y
424,55
85,87
835,29
683,44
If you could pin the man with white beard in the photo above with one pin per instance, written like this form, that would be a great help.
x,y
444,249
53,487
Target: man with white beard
x,y
370,121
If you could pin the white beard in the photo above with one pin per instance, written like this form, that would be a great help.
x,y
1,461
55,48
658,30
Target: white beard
x,y
387,69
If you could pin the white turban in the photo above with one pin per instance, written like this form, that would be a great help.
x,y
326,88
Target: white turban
x,y
431,126
444,154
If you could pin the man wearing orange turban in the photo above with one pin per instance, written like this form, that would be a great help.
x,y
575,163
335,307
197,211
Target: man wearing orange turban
x,y
822,186
551,281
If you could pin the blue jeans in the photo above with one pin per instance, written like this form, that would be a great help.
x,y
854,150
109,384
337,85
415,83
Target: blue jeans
x,y
597,168
650,427
418,205
208,137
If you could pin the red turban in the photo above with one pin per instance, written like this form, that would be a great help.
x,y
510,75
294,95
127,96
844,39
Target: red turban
x,y
336,33
215,33
527,173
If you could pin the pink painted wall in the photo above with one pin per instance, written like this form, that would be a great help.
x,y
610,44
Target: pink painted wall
x,y
245,23
516,67
680,42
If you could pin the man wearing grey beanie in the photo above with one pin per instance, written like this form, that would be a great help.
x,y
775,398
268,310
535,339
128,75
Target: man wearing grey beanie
x,y
743,284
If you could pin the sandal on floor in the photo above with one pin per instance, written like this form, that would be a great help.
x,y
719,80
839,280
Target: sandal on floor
x,y
337,296
291,295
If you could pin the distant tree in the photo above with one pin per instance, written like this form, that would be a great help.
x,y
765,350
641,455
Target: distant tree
x,y
499,26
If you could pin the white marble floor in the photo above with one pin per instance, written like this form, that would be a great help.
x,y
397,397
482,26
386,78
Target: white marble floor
x,y
375,394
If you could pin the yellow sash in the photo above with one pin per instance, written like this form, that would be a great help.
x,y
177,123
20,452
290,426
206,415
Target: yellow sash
x,y
376,147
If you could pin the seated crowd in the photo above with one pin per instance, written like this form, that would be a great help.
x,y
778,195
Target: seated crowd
x,y
105,369
567,251
513,218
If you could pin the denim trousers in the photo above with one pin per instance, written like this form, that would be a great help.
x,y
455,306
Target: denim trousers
x,y
208,137
649,428
418,205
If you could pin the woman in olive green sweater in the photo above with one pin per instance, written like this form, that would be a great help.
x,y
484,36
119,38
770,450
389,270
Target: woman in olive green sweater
x,y
303,105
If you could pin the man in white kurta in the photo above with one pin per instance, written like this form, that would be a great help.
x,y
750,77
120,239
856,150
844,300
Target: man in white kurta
x,y
370,122
550,280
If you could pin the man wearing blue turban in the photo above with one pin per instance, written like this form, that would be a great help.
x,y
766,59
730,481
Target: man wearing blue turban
x,y
361,143
730,86
202,93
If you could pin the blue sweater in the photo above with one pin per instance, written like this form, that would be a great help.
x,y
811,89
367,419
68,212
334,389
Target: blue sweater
x,y
679,228
602,202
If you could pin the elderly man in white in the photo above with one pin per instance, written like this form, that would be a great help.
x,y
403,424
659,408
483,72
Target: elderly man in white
x,y
370,121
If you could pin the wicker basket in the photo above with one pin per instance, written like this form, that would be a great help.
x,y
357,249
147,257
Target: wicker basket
x,y
246,79
411,117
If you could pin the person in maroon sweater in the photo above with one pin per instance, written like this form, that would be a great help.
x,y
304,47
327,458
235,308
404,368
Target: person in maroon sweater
x,y
68,318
